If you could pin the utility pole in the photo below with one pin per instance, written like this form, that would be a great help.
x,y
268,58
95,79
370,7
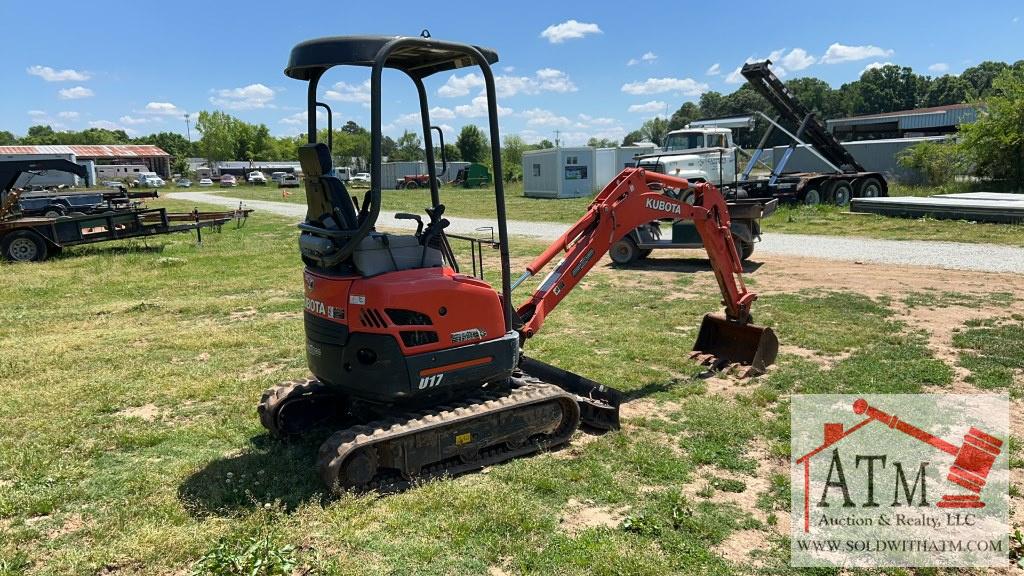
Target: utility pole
x,y
557,132
188,129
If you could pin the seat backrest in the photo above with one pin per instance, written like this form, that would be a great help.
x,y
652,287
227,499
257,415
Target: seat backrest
x,y
326,195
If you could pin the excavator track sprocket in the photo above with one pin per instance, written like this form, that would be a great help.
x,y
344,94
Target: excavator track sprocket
x,y
393,453
292,408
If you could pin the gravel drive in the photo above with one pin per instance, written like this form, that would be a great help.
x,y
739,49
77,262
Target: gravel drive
x,y
951,255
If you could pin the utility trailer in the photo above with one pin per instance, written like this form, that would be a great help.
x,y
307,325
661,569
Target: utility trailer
x,y
744,223
848,179
34,239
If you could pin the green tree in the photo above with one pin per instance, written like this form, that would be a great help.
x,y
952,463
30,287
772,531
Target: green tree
x,y
632,138
452,152
220,133
654,130
980,77
472,144
545,144
388,146
712,105
948,89
686,113
602,143
995,142
817,96
171,142
408,147
512,149
892,88
40,135
937,163
7,138
351,127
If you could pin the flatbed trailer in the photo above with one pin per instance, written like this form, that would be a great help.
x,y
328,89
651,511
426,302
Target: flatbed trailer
x,y
36,239
744,222
849,179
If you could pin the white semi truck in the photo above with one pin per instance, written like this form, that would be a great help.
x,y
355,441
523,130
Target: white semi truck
x,y
697,154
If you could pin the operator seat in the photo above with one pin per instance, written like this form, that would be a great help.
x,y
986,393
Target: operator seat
x,y
326,195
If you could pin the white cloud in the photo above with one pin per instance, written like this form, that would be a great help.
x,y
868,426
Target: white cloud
x,y
131,120
632,62
544,80
245,98
797,59
478,107
508,69
460,85
68,115
684,86
714,70
345,92
441,113
164,109
299,118
108,125
74,93
51,75
838,53
939,68
558,33
541,117
37,113
873,66
599,121
647,57
648,107
735,77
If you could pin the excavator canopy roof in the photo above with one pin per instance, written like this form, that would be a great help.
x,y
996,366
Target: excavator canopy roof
x,y
426,57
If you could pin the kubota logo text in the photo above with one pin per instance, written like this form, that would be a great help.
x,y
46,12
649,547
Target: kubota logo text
x,y
664,206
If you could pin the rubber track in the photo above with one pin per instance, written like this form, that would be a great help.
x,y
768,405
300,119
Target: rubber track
x,y
526,391
275,397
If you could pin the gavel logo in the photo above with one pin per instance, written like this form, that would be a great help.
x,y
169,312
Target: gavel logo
x,y
973,459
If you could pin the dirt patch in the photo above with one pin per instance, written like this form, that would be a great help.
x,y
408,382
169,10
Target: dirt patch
x,y
826,361
72,523
647,408
757,484
738,546
578,516
242,315
262,369
203,357
147,412
284,315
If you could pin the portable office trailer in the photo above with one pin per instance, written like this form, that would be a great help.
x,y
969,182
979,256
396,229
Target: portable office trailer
x,y
120,171
559,173
611,161
390,172
875,155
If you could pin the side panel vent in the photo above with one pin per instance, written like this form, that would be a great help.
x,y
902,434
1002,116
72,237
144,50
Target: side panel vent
x,y
371,318
418,337
401,317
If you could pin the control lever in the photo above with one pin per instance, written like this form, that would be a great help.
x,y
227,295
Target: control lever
x,y
408,216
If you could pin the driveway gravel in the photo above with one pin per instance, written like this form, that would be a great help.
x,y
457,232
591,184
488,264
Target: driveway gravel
x,y
950,255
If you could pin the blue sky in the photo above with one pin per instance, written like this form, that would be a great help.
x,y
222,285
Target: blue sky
x,y
582,68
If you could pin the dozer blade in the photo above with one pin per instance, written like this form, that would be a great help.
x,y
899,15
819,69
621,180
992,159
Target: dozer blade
x,y
722,342
599,404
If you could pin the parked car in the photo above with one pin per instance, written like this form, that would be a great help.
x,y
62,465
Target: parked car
x,y
228,181
256,177
205,182
183,183
276,176
151,182
288,181
361,177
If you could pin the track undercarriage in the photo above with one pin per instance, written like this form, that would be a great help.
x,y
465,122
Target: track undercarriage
x,y
393,451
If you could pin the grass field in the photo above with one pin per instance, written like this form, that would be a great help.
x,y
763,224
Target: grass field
x,y
129,442
827,220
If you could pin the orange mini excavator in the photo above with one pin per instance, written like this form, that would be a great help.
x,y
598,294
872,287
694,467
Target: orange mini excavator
x,y
420,367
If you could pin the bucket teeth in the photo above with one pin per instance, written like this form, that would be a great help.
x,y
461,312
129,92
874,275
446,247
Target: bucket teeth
x,y
722,342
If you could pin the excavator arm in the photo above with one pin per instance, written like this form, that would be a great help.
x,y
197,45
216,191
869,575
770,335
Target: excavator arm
x,y
636,197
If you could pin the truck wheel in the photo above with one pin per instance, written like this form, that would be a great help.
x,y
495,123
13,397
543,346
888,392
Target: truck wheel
x,y
624,251
869,188
743,249
841,192
23,246
412,185
54,211
811,197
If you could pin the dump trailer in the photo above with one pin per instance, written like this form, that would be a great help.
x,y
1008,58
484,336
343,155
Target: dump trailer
x,y
848,178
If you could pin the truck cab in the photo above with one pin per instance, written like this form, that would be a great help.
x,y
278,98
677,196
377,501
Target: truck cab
x,y
697,154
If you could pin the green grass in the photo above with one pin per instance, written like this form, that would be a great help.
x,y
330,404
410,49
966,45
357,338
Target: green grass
x,y
993,351
129,441
821,220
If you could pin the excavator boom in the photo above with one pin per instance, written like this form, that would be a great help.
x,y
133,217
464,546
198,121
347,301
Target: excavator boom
x,y
636,197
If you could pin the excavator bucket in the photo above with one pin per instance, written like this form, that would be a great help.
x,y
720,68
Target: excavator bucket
x,y
722,342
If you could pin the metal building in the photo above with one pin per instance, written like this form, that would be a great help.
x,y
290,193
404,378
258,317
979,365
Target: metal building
x,y
874,155
611,161
48,178
391,172
152,156
559,172
905,123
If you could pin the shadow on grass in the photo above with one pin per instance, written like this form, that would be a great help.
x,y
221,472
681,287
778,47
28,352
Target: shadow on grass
x,y
680,265
114,250
269,471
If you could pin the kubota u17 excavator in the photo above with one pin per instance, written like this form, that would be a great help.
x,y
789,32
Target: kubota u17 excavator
x,y
422,367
